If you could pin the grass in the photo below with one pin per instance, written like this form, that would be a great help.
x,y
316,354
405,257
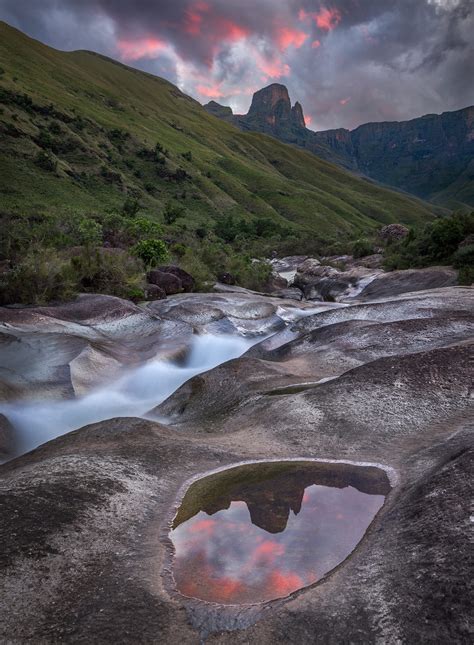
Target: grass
x,y
246,174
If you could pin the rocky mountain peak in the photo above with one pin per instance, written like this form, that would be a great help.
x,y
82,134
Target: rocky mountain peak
x,y
297,115
271,111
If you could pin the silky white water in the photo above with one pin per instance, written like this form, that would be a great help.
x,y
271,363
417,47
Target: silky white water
x,y
133,395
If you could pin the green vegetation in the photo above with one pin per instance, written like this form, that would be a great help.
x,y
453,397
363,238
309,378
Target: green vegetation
x,y
87,139
449,240
151,252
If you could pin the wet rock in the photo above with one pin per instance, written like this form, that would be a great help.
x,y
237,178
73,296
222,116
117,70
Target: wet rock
x,y
291,293
49,351
326,283
85,553
397,282
228,312
168,282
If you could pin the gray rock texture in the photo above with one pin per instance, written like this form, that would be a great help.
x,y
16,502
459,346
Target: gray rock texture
x,y
85,552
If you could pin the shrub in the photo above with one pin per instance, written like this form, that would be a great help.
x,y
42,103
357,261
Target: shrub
x,y
141,228
117,274
40,277
131,207
464,257
437,243
361,248
90,233
172,213
178,250
151,252
46,161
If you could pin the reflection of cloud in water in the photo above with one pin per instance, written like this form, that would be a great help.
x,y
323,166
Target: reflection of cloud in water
x,y
226,558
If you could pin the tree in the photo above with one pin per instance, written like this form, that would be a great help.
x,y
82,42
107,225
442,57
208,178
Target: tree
x,y
151,252
90,233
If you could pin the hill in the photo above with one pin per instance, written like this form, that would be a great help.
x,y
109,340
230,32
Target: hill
x,y
431,157
106,112
89,143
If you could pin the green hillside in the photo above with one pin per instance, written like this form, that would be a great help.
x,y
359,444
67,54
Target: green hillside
x,y
83,135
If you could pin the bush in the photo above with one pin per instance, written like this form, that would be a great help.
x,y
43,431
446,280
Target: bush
x,y
437,243
116,274
172,213
142,229
361,248
131,207
151,252
46,161
41,277
464,257
90,232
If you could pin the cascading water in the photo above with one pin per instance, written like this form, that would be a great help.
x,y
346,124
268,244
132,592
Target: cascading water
x,y
132,395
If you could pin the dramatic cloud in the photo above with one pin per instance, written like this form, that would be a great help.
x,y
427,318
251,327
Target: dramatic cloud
x,y
346,61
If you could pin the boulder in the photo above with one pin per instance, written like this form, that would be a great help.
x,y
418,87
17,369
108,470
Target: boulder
x,y
393,283
393,232
276,282
311,266
226,278
168,282
188,283
154,292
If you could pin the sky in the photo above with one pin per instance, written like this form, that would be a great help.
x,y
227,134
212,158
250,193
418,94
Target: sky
x,y
347,62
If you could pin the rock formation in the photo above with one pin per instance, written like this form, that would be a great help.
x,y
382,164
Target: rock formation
x,y
86,555
431,156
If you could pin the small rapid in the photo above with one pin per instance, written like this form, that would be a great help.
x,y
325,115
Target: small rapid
x,y
132,395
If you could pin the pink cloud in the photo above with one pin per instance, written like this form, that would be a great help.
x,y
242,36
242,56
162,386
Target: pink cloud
x,y
131,50
327,19
287,37
211,91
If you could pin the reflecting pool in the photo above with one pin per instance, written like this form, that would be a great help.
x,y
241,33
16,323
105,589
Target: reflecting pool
x,y
262,531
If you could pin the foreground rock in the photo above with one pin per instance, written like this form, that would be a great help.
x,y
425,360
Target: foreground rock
x,y
65,350
85,518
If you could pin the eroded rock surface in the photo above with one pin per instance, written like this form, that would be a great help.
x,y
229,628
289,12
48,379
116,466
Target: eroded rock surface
x,y
85,518
65,350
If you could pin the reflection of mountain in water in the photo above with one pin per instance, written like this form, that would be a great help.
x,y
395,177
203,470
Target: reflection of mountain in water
x,y
271,491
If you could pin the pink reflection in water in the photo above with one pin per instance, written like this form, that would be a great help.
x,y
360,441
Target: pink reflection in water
x,y
229,559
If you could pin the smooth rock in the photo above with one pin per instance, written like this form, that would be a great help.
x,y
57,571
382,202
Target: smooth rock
x,y
168,282
396,282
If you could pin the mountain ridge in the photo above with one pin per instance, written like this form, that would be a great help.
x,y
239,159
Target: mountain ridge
x,y
425,156
113,118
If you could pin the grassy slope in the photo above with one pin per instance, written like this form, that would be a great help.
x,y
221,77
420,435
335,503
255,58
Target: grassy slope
x,y
232,172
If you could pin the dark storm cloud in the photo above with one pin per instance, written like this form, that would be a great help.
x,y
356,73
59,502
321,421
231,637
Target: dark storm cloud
x,y
346,61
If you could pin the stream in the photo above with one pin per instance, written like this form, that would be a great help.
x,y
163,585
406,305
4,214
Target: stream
x,y
133,395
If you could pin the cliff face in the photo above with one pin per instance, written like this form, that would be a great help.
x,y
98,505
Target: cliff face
x,y
271,112
431,157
